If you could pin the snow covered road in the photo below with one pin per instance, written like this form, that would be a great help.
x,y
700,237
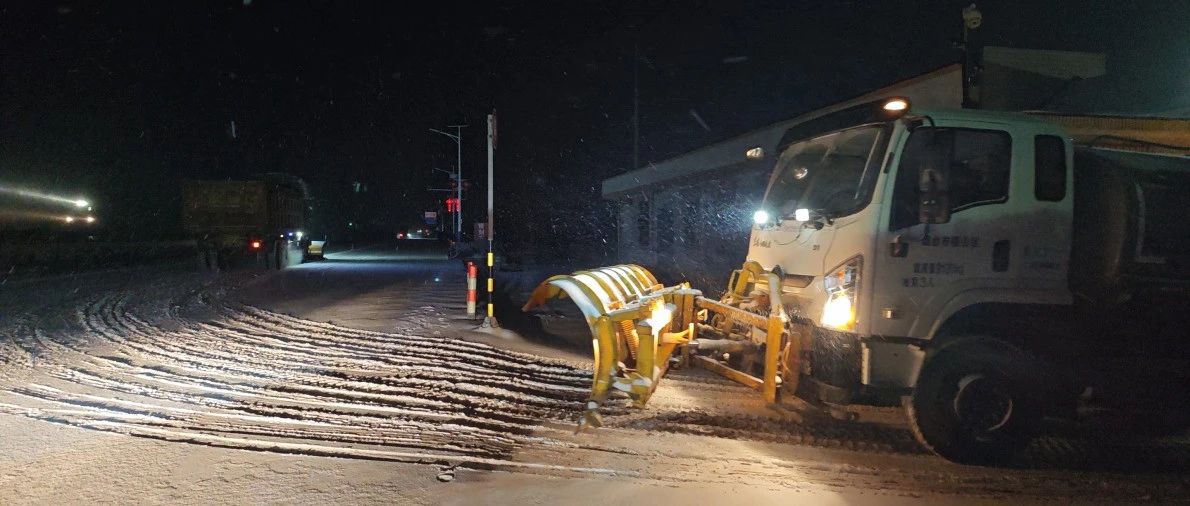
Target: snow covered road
x,y
206,366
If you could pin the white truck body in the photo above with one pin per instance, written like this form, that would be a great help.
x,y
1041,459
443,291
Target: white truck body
x,y
944,271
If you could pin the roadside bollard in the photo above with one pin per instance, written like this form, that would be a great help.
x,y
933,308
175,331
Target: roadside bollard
x,y
491,319
472,273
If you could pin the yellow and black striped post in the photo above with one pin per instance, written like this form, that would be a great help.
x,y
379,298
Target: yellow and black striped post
x,y
491,287
490,321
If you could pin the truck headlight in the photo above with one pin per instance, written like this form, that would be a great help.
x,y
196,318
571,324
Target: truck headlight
x,y
842,287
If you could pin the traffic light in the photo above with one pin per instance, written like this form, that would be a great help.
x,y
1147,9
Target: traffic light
x,y
452,205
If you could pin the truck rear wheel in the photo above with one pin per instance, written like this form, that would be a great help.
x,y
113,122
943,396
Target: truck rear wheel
x,y
976,403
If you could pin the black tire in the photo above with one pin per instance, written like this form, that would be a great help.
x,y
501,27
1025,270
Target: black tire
x,y
977,402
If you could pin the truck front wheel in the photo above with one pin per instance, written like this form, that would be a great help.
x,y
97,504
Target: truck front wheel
x,y
976,403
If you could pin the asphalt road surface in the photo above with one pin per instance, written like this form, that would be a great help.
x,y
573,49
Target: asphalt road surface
x,y
359,380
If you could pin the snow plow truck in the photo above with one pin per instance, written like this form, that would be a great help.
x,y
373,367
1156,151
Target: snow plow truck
x,y
984,270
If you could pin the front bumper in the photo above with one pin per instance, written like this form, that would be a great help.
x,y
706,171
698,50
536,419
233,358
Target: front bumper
x,y
836,358
846,368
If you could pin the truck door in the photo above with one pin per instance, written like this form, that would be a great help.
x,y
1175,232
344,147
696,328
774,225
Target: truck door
x,y
920,267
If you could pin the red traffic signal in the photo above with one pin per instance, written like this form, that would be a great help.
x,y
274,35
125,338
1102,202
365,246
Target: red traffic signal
x,y
452,205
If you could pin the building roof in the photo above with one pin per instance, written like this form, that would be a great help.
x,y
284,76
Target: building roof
x,y
1048,62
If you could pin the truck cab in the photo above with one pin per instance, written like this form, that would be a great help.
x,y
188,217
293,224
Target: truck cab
x,y
932,250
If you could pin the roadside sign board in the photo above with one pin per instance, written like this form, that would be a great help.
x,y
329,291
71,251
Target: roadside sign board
x,y
431,218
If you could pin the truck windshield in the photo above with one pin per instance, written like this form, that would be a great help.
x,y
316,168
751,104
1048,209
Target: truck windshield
x,y
833,174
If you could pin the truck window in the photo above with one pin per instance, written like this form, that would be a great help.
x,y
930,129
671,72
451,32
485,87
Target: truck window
x,y
975,163
834,173
1049,163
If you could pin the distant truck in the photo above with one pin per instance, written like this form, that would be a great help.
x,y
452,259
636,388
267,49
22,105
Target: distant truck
x,y
239,221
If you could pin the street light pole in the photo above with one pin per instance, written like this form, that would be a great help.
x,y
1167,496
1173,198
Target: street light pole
x,y
458,138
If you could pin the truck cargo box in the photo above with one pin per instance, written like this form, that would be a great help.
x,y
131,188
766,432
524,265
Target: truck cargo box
x,y
1131,227
225,207
240,207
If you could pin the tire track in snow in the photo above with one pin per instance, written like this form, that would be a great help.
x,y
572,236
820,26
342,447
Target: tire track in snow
x,y
460,391
130,361
272,366
272,381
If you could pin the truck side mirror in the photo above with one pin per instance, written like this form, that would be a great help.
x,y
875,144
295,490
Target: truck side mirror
x,y
933,204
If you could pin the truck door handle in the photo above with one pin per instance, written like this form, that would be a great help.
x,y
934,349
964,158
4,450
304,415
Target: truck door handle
x,y
1000,252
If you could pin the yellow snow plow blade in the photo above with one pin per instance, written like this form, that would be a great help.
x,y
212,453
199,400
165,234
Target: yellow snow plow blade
x,y
637,324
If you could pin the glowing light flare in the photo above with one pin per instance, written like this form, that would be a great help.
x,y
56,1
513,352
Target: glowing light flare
x,y
68,219
896,105
660,315
839,312
57,199
28,215
90,219
255,245
802,215
761,217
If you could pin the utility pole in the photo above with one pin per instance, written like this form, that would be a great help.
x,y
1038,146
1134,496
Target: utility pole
x,y
458,138
490,321
971,50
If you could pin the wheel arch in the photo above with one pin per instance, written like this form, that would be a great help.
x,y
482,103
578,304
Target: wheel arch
x,y
1022,329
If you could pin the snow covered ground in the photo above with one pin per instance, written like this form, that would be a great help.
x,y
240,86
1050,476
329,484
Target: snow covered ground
x,y
356,380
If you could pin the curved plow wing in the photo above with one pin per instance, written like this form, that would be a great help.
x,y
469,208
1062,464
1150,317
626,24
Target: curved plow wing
x,y
596,291
629,314
637,323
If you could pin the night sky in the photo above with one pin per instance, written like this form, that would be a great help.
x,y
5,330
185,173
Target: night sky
x,y
119,100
